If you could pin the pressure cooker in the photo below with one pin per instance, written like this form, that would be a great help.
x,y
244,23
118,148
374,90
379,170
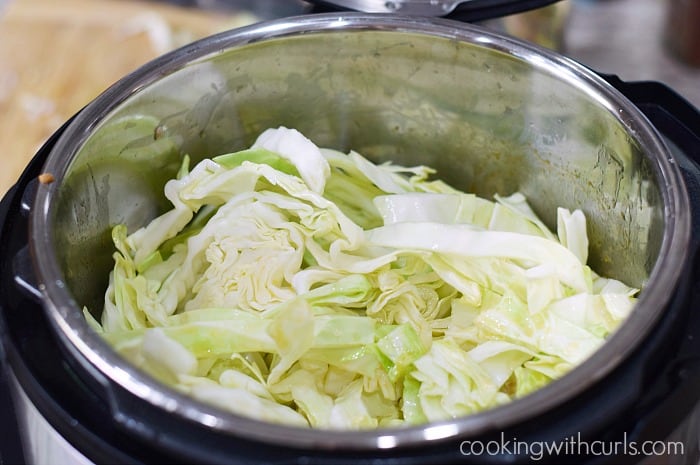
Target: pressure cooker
x,y
491,113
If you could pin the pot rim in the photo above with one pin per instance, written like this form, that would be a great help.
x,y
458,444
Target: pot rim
x,y
106,365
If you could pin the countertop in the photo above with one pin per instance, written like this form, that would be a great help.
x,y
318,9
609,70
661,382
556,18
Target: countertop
x,y
56,56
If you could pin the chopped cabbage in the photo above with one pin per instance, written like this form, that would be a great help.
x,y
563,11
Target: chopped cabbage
x,y
310,287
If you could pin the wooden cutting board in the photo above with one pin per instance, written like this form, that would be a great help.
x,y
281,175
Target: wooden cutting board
x,y
56,56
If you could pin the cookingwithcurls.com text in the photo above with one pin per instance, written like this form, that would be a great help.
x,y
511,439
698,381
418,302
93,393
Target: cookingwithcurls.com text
x,y
571,446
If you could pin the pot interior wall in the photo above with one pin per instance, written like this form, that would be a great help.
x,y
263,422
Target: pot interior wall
x,y
488,120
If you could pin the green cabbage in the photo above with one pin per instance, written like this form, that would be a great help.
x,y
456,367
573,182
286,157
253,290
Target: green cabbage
x,y
306,286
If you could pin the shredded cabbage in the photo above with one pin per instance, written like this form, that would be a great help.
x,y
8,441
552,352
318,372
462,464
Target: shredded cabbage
x,y
310,287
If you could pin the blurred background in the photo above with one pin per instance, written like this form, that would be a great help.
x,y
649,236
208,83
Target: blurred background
x,y
56,56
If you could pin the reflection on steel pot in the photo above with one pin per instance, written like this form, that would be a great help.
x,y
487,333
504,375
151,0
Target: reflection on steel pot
x,y
491,114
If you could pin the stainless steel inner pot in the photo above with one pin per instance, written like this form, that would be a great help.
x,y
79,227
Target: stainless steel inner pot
x,y
491,114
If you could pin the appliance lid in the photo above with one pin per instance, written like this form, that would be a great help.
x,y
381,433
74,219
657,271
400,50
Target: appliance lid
x,y
461,10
